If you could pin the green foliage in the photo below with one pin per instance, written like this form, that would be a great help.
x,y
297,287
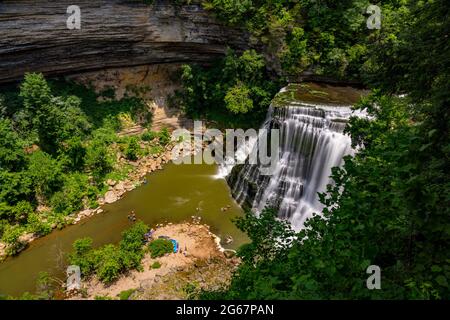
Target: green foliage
x,y
108,262
75,191
149,136
160,247
37,226
132,150
98,159
54,118
389,204
82,256
44,287
45,173
11,235
228,90
58,144
11,147
156,265
131,245
125,295
237,99
164,136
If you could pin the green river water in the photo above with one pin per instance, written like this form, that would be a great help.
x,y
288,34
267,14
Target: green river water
x,y
171,195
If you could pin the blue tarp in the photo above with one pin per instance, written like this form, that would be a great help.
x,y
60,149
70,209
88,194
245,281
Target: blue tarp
x,y
175,245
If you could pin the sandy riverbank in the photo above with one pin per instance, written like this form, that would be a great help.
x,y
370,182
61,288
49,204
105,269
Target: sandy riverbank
x,y
204,266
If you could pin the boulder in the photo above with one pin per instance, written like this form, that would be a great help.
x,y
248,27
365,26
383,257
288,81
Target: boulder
x,y
111,197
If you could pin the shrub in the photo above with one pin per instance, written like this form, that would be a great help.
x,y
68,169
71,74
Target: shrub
x,y
22,210
37,226
131,245
11,236
108,263
82,255
156,265
132,149
160,247
70,198
45,173
125,295
238,100
164,136
98,159
149,135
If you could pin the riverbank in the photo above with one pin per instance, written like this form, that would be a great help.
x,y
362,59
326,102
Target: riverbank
x,y
116,190
201,263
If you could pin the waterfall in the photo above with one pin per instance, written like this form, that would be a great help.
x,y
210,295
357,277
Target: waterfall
x,y
311,143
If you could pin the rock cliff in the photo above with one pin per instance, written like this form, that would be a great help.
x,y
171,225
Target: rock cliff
x,y
116,33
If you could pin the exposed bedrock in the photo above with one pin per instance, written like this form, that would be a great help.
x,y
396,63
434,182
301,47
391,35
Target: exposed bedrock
x,y
34,36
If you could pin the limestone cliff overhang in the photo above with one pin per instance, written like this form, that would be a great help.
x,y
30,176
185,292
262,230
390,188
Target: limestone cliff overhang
x,y
114,33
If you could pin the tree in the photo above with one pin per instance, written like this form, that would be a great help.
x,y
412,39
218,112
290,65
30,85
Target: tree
x,y
237,99
132,149
98,160
12,156
45,173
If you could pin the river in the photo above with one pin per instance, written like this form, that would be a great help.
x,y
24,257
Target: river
x,y
170,195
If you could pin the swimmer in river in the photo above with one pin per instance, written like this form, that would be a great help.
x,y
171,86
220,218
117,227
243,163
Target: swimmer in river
x,y
132,216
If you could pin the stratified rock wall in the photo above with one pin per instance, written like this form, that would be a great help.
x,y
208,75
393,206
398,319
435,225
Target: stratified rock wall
x,y
34,36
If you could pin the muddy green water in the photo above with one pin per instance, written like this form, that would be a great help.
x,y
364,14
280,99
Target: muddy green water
x,y
171,195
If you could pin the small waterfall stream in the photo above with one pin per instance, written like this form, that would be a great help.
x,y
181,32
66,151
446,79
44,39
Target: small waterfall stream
x,y
311,143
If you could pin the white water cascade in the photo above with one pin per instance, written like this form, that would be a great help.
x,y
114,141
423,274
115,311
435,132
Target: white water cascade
x,y
311,143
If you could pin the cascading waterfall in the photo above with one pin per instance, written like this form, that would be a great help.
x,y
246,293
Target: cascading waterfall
x,y
311,143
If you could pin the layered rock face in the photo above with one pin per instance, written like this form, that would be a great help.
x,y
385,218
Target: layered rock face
x,y
34,36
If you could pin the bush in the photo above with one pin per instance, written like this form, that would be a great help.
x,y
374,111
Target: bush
x,y
237,99
11,235
37,226
131,245
98,160
160,247
164,136
149,135
132,150
156,265
108,263
22,210
82,255
70,198
125,295
45,173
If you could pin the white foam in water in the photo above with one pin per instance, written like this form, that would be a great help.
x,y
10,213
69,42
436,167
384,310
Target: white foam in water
x,y
242,152
311,143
